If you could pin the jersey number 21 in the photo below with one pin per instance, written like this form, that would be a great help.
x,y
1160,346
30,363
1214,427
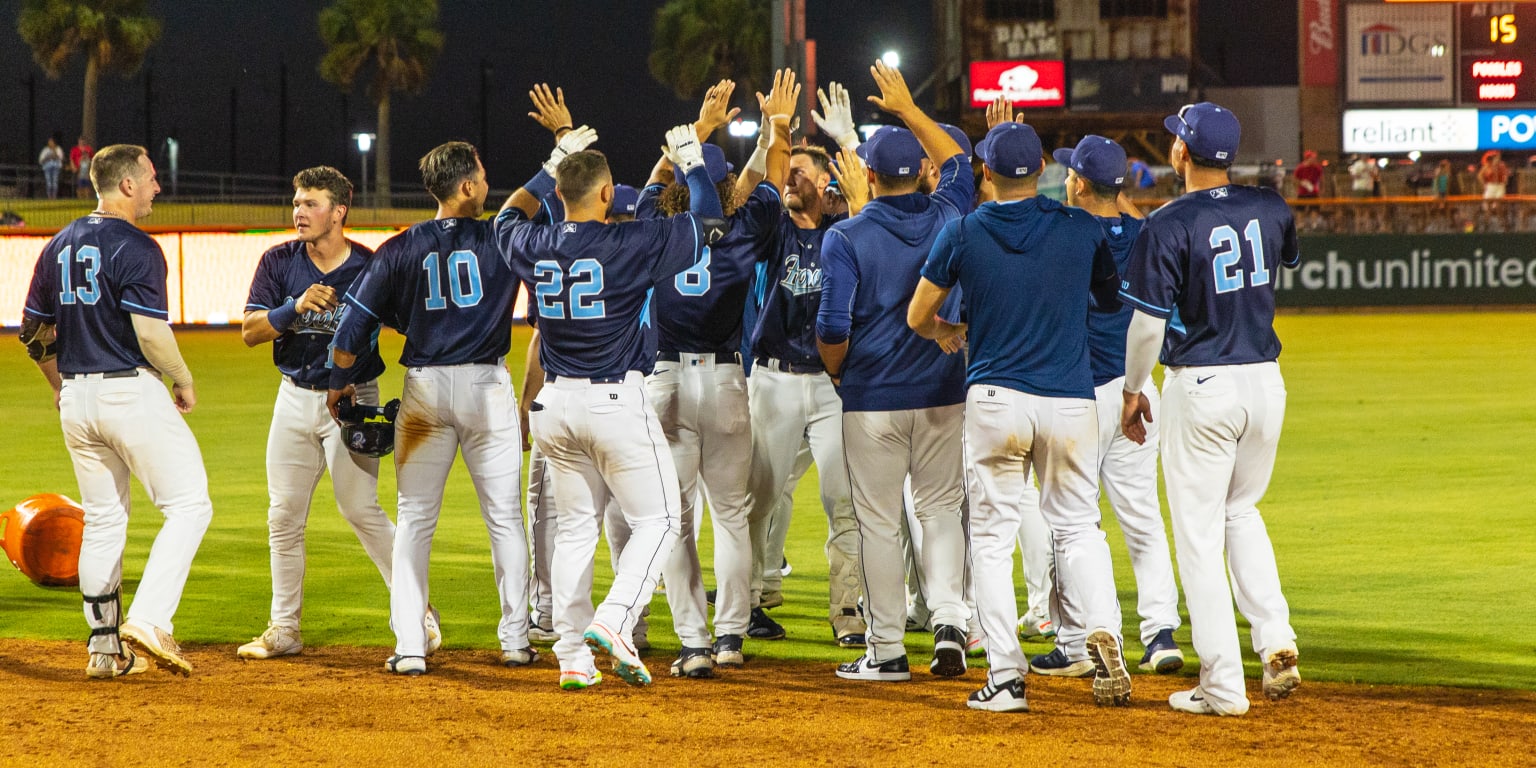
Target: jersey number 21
x,y
1226,266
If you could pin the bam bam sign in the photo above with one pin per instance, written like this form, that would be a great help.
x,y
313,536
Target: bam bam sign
x,y
1025,40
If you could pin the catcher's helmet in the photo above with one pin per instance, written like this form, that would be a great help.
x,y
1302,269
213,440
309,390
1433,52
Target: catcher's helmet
x,y
41,537
368,438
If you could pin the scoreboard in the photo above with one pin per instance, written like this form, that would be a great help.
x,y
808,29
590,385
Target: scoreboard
x,y
1498,53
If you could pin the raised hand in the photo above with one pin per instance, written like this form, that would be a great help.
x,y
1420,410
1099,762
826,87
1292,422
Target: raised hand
x,y
549,108
836,119
684,149
318,298
1001,111
852,178
894,97
716,110
784,96
572,142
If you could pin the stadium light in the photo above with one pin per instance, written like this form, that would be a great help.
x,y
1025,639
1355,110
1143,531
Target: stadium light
x,y
868,129
892,59
364,143
742,129
1415,155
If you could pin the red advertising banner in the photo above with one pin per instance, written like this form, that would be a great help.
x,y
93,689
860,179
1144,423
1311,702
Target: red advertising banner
x,y
1024,83
1319,43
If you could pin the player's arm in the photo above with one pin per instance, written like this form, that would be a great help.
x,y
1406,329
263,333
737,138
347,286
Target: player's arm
x,y
770,161
933,287
263,325
834,318
367,301
1142,341
896,99
42,345
158,344
533,383
549,111
1124,204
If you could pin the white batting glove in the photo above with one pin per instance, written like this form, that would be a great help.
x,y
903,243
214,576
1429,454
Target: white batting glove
x,y
572,142
683,148
836,118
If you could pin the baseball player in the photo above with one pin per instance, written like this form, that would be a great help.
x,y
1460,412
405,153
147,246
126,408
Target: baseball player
x,y
699,388
95,322
902,395
1027,266
295,303
1128,470
593,420
448,289
1202,280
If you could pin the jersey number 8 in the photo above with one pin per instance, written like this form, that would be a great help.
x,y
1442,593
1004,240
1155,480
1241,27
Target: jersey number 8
x,y
586,284
1226,267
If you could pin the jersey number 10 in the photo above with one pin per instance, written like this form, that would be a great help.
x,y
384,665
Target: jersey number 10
x,y
1226,267
463,280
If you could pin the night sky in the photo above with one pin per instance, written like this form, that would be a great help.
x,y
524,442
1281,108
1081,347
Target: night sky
x,y
596,50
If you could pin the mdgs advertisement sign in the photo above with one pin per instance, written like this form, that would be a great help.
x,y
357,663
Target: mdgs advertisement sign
x,y
1023,83
1400,53
1405,130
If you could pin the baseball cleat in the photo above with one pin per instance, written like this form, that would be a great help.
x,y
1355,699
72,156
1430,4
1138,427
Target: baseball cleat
x,y
948,652
158,645
412,666
538,634
1163,655
771,600
576,680
1194,702
695,663
893,671
727,652
1280,674
1007,696
975,644
1031,626
276,641
1056,664
761,627
852,640
519,657
105,666
626,660
1111,681
434,626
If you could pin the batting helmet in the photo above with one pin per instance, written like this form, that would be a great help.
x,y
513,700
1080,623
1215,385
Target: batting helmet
x,y
368,438
41,536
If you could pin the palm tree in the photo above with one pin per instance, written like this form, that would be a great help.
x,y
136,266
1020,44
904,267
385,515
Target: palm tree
x,y
113,35
400,38
695,43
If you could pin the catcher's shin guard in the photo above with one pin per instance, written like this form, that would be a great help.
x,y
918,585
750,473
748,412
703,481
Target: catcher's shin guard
x,y
103,613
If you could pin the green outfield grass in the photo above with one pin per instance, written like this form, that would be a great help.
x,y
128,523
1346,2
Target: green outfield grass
x,y
1401,510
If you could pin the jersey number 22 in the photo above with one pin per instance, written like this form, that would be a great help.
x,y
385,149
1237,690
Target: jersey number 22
x,y
586,284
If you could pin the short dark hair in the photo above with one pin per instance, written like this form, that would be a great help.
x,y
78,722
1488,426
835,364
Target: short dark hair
x,y
582,173
112,164
818,156
1100,191
324,177
447,166
1205,162
889,183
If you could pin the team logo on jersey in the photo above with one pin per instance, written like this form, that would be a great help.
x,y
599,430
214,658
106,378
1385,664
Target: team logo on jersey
x,y
567,228
800,281
1219,193
320,322
450,223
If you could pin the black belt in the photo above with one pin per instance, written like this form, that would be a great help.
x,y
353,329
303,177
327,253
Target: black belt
x,y
785,366
310,387
719,358
551,378
126,373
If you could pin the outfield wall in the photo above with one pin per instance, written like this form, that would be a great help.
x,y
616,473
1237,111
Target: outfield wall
x,y
209,273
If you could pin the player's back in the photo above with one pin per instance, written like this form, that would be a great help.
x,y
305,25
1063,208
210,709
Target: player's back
x,y
1208,261
1106,330
445,284
90,277
591,286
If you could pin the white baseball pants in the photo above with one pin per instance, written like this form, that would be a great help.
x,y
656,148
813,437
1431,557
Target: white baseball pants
x,y
446,410
303,442
789,412
881,448
541,533
602,441
114,428
1221,430
1035,549
1008,432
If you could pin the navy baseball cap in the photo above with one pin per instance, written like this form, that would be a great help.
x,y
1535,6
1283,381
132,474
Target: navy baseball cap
x,y
1012,150
714,162
625,198
1096,159
892,151
960,138
1211,132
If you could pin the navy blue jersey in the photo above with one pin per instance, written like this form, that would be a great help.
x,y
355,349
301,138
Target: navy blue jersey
x,y
303,351
1106,330
1026,269
790,295
701,309
91,276
1206,262
591,286
870,267
444,284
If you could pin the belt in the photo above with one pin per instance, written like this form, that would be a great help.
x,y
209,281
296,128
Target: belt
x,y
718,358
302,385
786,366
551,378
126,373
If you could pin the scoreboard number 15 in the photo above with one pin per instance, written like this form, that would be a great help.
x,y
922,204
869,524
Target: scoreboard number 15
x,y
1501,28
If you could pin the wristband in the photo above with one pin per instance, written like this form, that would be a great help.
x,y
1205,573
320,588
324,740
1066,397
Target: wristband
x,y
282,318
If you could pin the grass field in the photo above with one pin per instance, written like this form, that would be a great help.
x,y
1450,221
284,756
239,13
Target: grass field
x,y
1400,511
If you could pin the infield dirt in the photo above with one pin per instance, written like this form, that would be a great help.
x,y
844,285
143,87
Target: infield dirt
x,y
337,706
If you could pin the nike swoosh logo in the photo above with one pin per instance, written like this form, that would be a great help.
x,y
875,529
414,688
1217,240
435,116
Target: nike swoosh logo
x,y
1194,697
1204,380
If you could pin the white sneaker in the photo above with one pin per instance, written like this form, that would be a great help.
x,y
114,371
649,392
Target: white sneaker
x,y
276,641
434,624
1280,674
1194,702
541,628
105,666
407,665
1007,696
158,645
626,660
519,657
577,680
1031,626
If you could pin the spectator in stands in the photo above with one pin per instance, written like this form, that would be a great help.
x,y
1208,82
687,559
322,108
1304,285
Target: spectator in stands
x,y
1442,184
1495,178
1363,176
80,164
52,161
1272,176
1309,176
1140,173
